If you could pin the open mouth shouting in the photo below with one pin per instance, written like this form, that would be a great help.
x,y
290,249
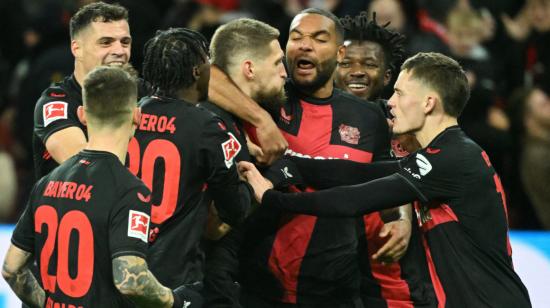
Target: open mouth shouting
x,y
305,66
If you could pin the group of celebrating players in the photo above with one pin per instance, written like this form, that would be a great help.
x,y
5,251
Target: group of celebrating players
x,y
184,200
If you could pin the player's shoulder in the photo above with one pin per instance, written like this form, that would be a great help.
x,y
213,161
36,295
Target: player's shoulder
x,y
124,179
215,110
58,101
106,168
450,150
67,90
174,107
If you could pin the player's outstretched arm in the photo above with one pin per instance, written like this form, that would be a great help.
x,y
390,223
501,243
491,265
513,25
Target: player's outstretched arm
x,y
386,192
17,274
328,173
223,92
133,279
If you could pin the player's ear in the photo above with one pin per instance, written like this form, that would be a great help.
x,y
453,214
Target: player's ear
x,y
76,49
196,73
387,77
136,117
81,115
247,68
341,53
430,103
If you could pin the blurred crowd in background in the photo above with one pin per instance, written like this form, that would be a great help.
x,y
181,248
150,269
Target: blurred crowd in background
x,y
504,46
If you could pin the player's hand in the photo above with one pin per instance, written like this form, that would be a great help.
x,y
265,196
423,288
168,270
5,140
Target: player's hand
x,y
399,232
254,149
255,179
272,142
188,296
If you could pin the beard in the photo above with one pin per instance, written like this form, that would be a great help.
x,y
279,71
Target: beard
x,y
271,101
324,70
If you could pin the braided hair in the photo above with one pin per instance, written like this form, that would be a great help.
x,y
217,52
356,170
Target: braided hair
x,y
170,57
360,28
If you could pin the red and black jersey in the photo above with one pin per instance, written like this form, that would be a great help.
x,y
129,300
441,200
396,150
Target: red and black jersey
x,y
405,283
401,284
179,150
309,259
55,110
86,212
463,217
461,214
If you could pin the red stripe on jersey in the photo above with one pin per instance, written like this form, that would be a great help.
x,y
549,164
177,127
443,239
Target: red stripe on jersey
x,y
438,288
394,289
486,158
294,234
500,190
251,132
434,216
288,251
315,133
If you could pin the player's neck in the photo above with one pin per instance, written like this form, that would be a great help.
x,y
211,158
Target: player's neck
x,y
79,76
243,84
79,73
433,127
324,91
113,141
190,95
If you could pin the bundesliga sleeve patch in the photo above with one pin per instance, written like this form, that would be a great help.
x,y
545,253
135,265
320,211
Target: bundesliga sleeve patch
x,y
230,148
138,225
54,111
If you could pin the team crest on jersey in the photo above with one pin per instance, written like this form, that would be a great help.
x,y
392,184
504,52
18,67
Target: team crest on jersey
x,y
54,111
138,225
230,148
349,134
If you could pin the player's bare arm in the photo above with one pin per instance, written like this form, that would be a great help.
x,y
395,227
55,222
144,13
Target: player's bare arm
x,y
65,143
17,274
224,93
133,279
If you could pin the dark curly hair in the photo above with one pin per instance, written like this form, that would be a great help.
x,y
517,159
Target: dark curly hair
x,y
170,57
360,28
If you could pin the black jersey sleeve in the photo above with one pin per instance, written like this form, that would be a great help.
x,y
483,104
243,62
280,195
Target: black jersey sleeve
x,y
387,192
434,174
23,235
54,111
232,197
129,224
323,174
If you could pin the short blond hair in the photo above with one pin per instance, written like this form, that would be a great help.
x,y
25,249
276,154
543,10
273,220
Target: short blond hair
x,y
243,37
